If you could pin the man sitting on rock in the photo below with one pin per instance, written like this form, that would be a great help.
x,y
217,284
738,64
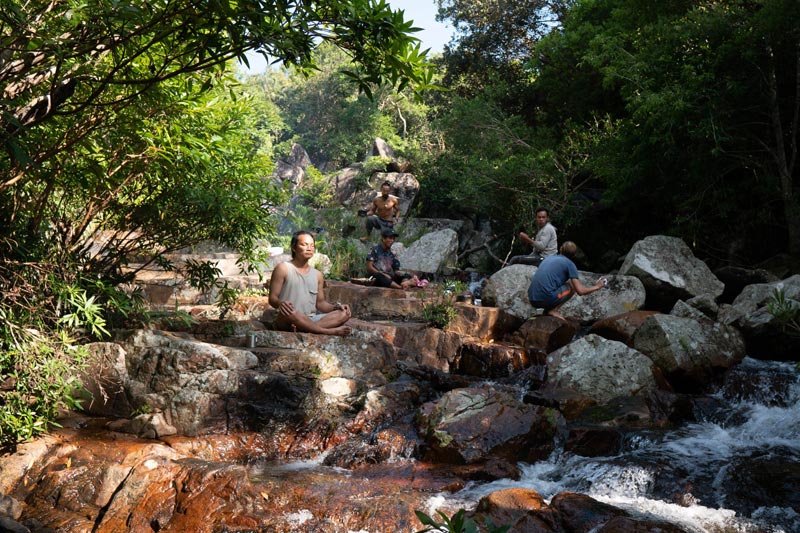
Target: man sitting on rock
x,y
544,245
296,291
556,281
383,265
383,212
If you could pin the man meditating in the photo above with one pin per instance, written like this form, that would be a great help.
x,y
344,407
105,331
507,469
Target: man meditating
x,y
296,291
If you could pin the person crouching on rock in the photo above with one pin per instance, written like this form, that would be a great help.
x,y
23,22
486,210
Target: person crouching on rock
x,y
383,265
296,291
556,281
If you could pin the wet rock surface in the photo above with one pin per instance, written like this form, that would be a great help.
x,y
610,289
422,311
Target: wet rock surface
x,y
250,429
469,425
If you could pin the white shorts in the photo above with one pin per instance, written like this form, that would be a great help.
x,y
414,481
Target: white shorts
x,y
316,317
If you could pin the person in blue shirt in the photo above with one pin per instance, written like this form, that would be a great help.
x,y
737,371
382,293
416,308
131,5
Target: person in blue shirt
x,y
556,281
383,265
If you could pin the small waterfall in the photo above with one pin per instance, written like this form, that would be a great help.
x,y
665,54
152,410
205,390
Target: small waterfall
x,y
476,283
697,476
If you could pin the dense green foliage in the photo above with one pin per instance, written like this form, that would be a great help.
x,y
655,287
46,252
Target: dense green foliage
x,y
682,117
330,118
124,139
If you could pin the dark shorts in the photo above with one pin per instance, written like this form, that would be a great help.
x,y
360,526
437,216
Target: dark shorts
x,y
383,281
532,259
561,296
373,222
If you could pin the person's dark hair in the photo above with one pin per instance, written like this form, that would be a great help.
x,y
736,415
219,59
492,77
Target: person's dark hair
x,y
386,183
296,239
569,249
540,209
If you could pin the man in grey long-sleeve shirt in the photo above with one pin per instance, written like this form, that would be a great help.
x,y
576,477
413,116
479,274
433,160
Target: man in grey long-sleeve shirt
x,y
544,245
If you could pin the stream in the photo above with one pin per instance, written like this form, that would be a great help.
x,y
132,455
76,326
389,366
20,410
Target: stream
x,y
730,462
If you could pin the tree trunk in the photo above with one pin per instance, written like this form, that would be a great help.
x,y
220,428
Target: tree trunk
x,y
785,151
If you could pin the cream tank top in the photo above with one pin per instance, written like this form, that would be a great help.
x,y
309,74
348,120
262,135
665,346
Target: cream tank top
x,y
301,289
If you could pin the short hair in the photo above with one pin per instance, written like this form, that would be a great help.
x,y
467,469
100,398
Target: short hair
x,y
569,249
386,184
296,239
540,209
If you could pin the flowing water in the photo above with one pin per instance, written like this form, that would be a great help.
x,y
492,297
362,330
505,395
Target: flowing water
x,y
721,473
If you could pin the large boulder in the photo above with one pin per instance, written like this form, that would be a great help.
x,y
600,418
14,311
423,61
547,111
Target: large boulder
x,y
381,148
187,379
455,427
544,334
624,293
508,289
737,278
292,169
762,312
669,271
433,253
522,509
201,387
689,352
621,327
600,369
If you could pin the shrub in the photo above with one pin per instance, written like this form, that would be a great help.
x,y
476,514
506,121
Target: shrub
x,y
458,523
316,190
372,165
440,311
785,310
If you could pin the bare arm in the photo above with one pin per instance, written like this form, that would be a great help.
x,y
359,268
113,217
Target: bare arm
x,y
396,210
582,290
275,286
524,237
372,207
324,306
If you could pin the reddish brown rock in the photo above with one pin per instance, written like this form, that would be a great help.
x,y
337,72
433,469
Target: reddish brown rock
x,y
593,441
522,509
544,334
490,360
470,425
579,512
485,323
377,303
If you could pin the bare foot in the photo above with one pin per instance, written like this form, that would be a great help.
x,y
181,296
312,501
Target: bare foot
x,y
555,314
342,331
